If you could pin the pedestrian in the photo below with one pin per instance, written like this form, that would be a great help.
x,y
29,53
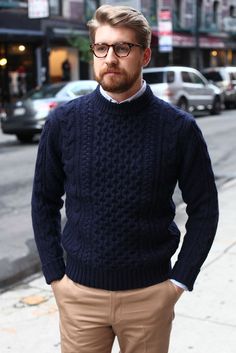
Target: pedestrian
x,y
117,154
21,78
66,69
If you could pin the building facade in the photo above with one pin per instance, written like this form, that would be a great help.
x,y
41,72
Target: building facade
x,y
204,33
32,50
196,33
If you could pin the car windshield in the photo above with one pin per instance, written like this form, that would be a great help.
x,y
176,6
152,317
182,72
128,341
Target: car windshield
x,y
46,91
213,76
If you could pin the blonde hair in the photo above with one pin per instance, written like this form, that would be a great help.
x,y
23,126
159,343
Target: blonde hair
x,y
121,16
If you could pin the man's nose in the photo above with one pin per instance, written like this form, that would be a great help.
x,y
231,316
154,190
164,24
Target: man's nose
x,y
111,56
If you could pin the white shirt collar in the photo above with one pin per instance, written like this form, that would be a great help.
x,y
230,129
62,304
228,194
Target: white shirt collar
x,y
135,96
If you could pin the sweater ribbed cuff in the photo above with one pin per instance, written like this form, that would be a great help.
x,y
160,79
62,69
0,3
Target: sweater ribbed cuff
x,y
54,270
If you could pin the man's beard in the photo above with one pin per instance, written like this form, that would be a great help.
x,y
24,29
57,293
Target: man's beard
x,y
120,83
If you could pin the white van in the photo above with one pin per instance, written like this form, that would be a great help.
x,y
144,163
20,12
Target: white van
x,y
184,87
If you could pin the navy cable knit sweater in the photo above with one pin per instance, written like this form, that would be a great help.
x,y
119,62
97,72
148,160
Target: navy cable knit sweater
x,y
118,165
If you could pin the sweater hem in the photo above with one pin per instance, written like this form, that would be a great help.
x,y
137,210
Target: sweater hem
x,y
117,279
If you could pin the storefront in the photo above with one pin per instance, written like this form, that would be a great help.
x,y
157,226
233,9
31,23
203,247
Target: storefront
x,y
19,40
32,52
213,51
18,74
64,59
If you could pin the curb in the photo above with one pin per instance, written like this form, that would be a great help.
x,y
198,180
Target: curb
x,y
13,272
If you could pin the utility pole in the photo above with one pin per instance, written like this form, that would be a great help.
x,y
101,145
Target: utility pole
x,y
196,32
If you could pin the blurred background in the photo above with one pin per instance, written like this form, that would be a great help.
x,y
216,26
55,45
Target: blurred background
x,y
36,37
44,62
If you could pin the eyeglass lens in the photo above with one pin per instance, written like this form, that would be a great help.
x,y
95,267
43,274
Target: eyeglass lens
x,y
120,49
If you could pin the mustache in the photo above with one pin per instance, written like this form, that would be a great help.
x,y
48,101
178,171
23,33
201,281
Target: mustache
x,y
110,69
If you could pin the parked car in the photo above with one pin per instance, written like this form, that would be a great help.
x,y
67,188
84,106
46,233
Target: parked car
x,y
184,87
26,117
225,78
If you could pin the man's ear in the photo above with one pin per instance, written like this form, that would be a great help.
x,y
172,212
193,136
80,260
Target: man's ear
x,y
147,56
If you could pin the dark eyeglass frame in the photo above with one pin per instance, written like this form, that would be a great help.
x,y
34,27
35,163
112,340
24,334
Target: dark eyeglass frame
x,y
130,45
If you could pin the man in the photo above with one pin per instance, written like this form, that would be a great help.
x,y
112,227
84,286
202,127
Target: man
x,y
66,69
117,155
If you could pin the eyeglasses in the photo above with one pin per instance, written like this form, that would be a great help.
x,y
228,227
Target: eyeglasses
x,y
121,50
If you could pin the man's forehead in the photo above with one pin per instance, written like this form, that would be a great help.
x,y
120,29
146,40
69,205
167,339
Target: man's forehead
x,y
107,33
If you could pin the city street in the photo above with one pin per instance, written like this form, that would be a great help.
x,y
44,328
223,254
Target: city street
x,y
205,320
17,168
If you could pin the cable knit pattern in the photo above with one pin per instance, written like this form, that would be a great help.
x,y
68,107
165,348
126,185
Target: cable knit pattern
x,y
118,165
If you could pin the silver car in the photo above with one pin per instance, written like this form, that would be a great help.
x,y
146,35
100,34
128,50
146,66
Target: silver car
x,y
224,78
26,117
184,87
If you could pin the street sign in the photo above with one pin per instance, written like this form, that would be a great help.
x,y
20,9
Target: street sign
x,y
165,31
38,9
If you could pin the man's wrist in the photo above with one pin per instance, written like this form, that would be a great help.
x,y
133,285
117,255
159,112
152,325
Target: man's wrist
x,y
179,284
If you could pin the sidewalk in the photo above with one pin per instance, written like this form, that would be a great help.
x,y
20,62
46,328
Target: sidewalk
x,y
205,318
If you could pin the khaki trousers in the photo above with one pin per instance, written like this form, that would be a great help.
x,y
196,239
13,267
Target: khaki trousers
x,y
91,318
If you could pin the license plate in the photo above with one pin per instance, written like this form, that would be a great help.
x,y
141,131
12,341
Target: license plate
x,y
19,111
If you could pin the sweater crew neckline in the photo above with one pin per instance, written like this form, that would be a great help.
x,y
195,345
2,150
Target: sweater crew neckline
x,y
131,107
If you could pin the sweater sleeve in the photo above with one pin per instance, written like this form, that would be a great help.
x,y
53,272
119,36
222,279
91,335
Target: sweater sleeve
x,y
197,184
48,189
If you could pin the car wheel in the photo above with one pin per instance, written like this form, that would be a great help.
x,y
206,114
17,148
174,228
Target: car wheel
x,y
25,138
216,107
183,104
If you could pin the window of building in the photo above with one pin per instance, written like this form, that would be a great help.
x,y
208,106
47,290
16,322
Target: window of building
x,y
166,4
189,14
200,13
55,7
77,10
232,11
90,7
177,13
13,4
215,12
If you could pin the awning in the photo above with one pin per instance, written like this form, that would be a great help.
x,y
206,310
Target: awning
x,y
21,32
180,40
63,32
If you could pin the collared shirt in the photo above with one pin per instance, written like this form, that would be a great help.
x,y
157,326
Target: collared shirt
x,y
135,96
